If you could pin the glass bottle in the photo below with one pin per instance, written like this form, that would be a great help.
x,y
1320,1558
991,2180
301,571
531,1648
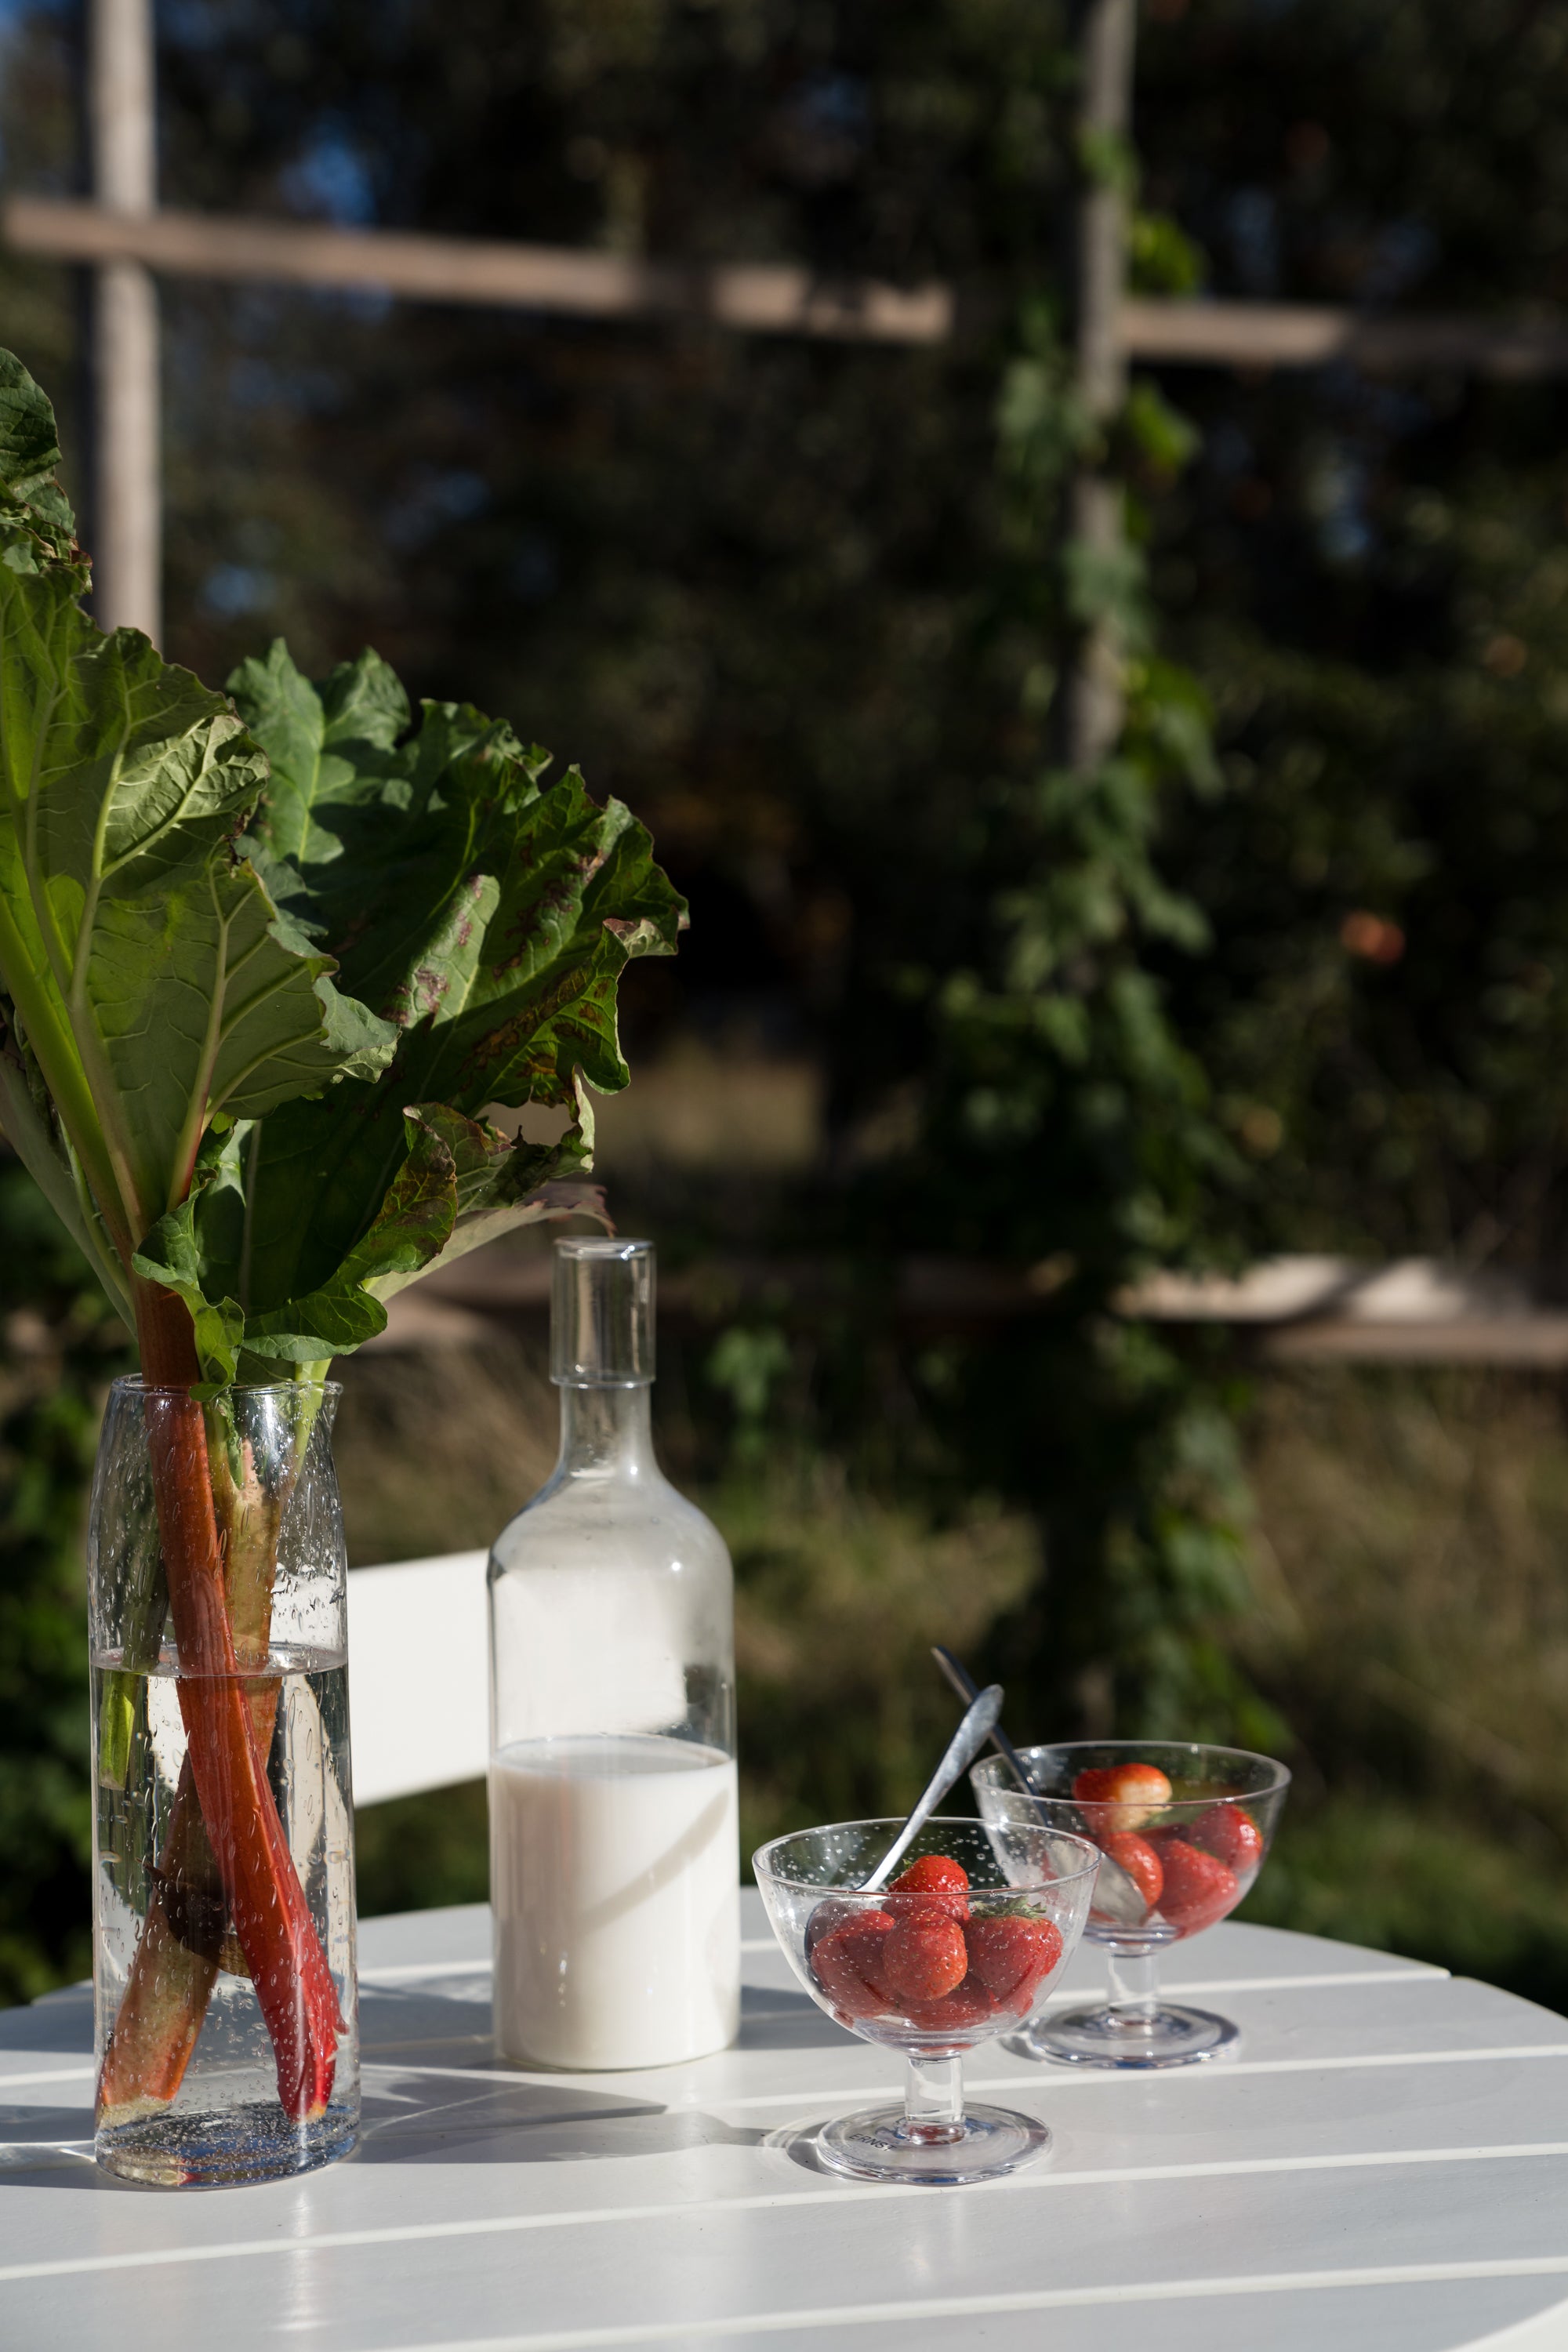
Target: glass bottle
x,y
615,1863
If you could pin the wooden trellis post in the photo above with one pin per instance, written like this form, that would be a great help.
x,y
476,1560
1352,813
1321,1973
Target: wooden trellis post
x,y
1094,699
126,523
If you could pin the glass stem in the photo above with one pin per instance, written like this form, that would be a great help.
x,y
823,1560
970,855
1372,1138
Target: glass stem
x,y
934,2100
1135,1993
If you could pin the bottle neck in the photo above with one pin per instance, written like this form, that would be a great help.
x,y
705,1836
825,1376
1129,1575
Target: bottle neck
x,y
607,1432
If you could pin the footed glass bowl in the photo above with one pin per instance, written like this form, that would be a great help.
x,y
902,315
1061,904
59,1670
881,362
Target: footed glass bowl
x,y
963,1946
1184,1830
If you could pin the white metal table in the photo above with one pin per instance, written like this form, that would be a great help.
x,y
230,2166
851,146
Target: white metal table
x,y
1384,2169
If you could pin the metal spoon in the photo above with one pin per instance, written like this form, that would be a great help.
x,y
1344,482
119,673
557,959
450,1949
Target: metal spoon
x,y
968,1689
961,1751
1116,1894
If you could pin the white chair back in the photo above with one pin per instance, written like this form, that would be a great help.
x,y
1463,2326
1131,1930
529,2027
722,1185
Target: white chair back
x,y
418,1675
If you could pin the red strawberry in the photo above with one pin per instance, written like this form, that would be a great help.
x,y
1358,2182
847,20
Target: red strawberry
x,y
924,1958
848,1964
1118,1797
836,1912
1230,1833
940,1882
933,1873
1139,1860
1011,1956
959,2012
1199,1888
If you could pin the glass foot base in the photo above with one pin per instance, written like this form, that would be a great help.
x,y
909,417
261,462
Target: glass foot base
x,y
878,2145
221,2150
1167,2036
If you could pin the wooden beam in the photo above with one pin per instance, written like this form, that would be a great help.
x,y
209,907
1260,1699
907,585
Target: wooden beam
x,y
769,299
1333,1309
1300,335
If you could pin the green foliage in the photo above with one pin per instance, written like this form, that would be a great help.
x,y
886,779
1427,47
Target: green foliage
x,y
1067,1124
1161,258
747,1364
1368,574
38,529
59,1344
839,1596
1368,1870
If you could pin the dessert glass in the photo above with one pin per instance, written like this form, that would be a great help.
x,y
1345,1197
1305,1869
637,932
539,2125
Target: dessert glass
x,y
1209,1839
1024,1910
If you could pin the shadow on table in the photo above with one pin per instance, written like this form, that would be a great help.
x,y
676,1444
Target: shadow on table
x,y
407,2018
531,2123
46,2148
413,2116
780,2019
400,2022
425,2119
484,2122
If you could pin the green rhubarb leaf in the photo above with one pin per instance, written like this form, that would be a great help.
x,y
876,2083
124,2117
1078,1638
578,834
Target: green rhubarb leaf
x,y
414,1222
488,919
329,747
37,526
28,1121
501,1183
152,977
462,1183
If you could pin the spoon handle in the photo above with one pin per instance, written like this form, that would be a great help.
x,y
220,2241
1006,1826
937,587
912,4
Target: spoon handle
x,y
964,1683
1115,1893
963,1749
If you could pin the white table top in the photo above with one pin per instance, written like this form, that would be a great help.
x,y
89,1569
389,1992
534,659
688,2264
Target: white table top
x,y
1384,2169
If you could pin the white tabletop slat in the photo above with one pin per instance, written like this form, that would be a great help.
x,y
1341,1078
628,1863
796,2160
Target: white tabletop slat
x,y
1384,2169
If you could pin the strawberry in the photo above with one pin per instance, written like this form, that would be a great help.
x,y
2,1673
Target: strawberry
x,y
848,1963
1118,1797
940,1883
837,1912
933,1873
924,1958
1010,1956
1230,1833
1139,1860
959,2012
1199,1888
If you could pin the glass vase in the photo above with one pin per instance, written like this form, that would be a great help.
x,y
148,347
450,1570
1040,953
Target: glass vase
x,y
223,1836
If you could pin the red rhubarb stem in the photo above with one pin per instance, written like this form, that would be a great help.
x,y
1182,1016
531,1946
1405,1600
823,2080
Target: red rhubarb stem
x,y
288,1967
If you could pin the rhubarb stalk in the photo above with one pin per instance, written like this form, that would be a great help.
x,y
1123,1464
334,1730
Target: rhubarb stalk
x,y
156,2029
